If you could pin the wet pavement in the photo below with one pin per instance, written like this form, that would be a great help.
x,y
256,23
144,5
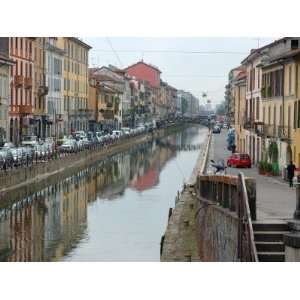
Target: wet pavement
x,y
114,211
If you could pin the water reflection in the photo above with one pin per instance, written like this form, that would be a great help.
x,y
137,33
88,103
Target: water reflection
x,y
49,225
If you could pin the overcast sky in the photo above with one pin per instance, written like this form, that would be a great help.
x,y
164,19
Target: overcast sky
x,y
194,72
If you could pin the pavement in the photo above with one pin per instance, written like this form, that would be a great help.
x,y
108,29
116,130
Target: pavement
x,y
274,198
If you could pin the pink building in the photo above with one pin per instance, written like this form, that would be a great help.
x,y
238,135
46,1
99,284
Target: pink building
x,y
143,71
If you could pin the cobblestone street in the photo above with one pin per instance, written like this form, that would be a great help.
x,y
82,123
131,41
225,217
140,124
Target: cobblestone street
x,y
275,200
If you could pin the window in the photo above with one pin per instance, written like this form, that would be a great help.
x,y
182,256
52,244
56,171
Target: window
x,y
294,44
257,108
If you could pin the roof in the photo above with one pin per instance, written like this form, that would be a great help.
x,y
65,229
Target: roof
x,y
289,54
142,62
241,75
256,52
103,77
78,41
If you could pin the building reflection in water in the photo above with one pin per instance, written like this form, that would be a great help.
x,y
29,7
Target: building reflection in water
x,y
47,225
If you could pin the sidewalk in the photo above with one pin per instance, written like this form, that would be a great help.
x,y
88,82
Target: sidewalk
x,y
275,199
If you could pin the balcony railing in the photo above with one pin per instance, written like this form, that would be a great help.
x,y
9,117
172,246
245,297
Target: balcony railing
x,y
28,82
249,124
25,109
108,114
284,132
43,90
19,80
270,130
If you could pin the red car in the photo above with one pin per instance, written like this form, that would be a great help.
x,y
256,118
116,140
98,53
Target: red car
x,y
239,160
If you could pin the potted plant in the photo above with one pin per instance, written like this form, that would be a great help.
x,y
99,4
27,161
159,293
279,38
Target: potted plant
x,y
269,169
262,167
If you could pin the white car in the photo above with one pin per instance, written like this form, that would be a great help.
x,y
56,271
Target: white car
x,y
117,134
80,134
30,140
126,131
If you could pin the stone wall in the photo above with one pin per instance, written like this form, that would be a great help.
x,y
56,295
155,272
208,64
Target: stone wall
x,y
179,242
217,232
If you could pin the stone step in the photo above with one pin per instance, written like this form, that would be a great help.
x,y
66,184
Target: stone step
x,y
269,236
269,246
271,256
267,226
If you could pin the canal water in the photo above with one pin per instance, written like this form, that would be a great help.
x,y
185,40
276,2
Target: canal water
x,y
116,210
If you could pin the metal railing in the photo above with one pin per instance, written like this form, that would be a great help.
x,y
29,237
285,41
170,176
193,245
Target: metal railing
x,y
230,192
284,132
246,245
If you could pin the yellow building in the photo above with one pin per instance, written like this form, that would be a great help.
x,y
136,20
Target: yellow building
x,y
40,87
239,102
278,100
76,84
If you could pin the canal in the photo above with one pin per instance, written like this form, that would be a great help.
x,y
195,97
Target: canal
x,y
116,210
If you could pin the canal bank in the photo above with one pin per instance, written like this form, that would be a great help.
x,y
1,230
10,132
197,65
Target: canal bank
x,y
114,210
179,242
59,168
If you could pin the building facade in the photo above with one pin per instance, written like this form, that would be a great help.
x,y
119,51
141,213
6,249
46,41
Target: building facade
x,y
5,65
76,84
55,81
21,108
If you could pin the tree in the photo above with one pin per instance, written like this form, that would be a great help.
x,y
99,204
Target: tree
x,y
221,109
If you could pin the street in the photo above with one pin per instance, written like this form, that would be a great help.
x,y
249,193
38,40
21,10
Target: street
x,y
275,200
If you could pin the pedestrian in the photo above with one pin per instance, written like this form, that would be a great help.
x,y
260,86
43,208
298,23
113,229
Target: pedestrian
x,y
291,173
233,147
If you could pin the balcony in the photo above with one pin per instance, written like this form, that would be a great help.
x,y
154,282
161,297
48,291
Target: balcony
x,y
43,90
108,114
270,130
249,124
109,104
25,109
19,80
28,82
284,132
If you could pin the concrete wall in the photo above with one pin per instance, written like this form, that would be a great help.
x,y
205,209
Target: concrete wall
x,y
16,178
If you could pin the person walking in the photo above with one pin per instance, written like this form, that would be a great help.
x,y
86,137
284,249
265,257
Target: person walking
x,y
291,173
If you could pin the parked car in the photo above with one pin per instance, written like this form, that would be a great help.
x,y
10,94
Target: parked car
x,y
216,129
29,140
8,145
18,156
68,146
37,151
80,134
116,134
239,160
6,158
126,131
